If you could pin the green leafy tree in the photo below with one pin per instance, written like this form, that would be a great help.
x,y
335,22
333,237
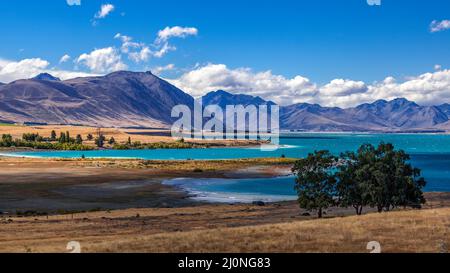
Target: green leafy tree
x,y
90,137
31,137
355,178
379,177
112,141
79,140
315,181
100,141
397,183
7,140
62,138
53,136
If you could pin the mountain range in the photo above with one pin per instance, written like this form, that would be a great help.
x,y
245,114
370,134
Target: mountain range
x,y
141,99
120,99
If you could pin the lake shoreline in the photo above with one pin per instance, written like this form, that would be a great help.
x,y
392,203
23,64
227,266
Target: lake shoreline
x,y
168,217
52,186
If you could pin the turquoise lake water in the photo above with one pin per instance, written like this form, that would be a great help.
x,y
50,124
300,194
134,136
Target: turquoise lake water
x,y
429,152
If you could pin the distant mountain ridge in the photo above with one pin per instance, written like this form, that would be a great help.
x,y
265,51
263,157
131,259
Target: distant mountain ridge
x,y
46,77
141,99
120,99
396,115
445,108
381,116
223,98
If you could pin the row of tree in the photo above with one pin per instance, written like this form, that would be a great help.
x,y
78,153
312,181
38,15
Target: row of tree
x,y
7,141
66,138
377,177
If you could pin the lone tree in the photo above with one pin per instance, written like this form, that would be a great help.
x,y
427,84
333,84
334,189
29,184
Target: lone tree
x,y
62,138
79,140
379,177
315,182
111,141
7,140
100,141
90,137
53,135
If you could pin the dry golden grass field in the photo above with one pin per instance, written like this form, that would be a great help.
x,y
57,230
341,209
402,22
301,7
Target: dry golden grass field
x,y
225,228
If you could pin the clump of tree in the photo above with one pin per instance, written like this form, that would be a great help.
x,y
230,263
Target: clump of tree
x,y
112,141
380,177
100,141
35,141
79,139
7,140
377,177
62,138
53,135
315,183
32,137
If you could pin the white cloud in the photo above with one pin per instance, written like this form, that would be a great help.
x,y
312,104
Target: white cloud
x,y
177,31
137,52
164,35
426,89
28,68
10,71
73,2
127,43
166,48
242,80
437,67
437,26
341,88
160,69
140,52
102,60
64,58
140,56
104,11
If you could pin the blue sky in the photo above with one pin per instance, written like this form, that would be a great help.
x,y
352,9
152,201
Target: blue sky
x,y
320,41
